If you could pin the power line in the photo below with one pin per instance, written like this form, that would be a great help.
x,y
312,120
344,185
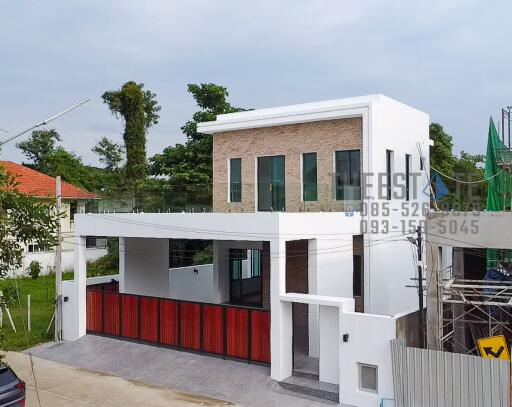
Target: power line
x,y
467,182
44,122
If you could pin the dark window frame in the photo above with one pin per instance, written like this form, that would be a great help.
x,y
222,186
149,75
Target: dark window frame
x,y
407,176
309,187
350,178
271,190
235,180
389,175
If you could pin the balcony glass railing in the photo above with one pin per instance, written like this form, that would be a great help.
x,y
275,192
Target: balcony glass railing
x,y
272,196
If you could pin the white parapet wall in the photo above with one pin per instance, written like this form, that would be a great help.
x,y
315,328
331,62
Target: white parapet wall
x,y
368,344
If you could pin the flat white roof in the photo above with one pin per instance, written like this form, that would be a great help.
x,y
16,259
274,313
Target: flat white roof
x,y
255,226
299,113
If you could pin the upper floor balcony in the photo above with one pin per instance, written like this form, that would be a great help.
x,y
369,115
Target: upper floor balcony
x,y
265,196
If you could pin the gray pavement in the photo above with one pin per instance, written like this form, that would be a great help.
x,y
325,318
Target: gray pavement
x,y
238,382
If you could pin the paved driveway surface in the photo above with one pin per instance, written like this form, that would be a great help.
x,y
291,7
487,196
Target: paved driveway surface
x,y
61,385
238,382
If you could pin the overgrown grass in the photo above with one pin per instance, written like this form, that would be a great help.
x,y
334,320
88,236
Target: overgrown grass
x,y
42,293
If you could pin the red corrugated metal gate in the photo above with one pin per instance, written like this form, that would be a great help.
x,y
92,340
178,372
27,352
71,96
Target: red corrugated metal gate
x,y
224,330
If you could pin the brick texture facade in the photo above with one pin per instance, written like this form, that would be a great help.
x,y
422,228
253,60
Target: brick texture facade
x,y
322,137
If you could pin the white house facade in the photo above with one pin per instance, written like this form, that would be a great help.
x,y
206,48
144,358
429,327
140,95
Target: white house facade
x,y
312,204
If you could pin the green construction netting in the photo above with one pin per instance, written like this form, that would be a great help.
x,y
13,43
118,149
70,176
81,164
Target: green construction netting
x,y
498,185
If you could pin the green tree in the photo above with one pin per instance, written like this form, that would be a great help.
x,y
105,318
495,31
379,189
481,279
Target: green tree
x,y
22,220
39,148
110,154
191,163
139,110
467,168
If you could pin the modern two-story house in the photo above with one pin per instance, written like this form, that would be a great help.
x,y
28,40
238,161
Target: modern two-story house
x,y
312,206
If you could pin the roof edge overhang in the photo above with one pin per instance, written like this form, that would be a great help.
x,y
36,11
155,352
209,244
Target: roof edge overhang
x,y
292,114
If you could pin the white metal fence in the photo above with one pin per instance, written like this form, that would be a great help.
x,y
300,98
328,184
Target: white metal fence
x,y
424,378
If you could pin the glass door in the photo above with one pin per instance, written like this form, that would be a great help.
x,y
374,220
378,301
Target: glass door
x,y
245,282
271,183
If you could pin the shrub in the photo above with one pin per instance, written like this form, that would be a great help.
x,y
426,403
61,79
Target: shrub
x,y
34,269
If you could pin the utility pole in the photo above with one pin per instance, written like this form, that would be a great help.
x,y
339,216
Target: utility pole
x,y
419,242
58,268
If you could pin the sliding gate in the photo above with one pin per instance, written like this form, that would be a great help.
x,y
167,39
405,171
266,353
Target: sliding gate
x,y
224,330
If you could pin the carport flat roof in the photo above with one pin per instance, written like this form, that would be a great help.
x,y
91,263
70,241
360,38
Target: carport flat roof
x,y
220,226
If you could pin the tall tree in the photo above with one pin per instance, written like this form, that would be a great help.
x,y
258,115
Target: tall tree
x,y
46,156
139,110
110,154
191,163
39,148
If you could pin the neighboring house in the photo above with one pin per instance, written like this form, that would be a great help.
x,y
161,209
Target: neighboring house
x,y
74,199
301,238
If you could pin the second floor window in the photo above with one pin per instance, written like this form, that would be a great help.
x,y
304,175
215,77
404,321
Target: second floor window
x,y
309,186
235,180
271,183
407,176
348,175
389,174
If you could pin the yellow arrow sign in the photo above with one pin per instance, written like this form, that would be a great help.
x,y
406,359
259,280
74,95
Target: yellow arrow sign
x,y
494,347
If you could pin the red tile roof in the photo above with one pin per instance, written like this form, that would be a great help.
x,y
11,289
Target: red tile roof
x,y
35,183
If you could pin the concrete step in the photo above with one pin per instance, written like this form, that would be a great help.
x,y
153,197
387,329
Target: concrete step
x,y
305,374
312,388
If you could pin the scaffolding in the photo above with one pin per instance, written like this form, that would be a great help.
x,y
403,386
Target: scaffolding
x,y
472,309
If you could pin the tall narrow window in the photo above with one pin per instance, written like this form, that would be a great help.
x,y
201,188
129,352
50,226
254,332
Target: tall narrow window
x,y
235,180
348,175
389,175
309,186
407,175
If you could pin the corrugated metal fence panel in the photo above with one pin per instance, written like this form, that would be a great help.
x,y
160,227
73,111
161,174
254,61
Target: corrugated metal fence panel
x,y
260,331
149,319
423,377
111,313
169,322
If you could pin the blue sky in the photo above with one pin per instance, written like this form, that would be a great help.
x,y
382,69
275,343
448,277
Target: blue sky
x,y
451,59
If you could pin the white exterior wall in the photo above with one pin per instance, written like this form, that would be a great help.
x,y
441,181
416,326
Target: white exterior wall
x,y
47,260
146,267
186,284
389,263
368,343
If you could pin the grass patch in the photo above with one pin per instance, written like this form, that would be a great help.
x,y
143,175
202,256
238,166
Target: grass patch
x,y
42,292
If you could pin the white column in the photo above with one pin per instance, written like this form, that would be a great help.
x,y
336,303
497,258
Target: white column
x,y
281,315
122,263
78,301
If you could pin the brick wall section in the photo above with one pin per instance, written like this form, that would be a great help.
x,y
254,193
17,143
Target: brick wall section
x,y
322,137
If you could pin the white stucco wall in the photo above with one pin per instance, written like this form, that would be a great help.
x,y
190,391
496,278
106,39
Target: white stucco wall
x,y
146,267
187,284
368,343
329,361
47,260
388,262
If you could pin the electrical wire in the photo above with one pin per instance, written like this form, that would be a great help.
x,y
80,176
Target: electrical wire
x,y
466,182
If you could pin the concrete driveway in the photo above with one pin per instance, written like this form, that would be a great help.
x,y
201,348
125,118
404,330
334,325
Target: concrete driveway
x,y
61,385
240,383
